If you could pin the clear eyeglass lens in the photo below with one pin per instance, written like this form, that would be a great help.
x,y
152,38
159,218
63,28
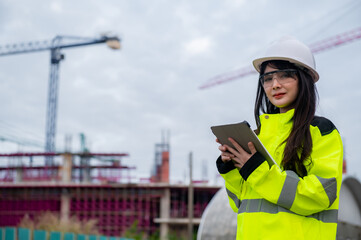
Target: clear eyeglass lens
x,y
283,76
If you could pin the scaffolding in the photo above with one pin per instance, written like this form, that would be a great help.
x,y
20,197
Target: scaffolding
x,y
106,195
69,167
115,206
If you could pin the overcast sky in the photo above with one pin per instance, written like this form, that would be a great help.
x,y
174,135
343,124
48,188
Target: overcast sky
x,y
123,100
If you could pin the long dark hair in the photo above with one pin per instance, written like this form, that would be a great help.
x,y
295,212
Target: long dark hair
x,y
299,141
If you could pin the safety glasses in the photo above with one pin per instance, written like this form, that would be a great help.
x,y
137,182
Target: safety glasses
x,y
283,76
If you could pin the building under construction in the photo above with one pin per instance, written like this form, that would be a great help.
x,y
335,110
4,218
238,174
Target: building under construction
x,y
103,190
93,185
98,186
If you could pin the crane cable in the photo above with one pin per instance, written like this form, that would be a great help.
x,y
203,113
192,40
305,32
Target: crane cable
x,y
345,10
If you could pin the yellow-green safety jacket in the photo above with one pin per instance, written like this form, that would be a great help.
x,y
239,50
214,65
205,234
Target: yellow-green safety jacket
x,y
275,204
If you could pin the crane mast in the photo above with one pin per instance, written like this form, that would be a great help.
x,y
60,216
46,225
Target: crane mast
x,y
55,46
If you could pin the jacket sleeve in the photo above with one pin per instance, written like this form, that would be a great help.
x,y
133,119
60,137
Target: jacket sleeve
x,y
233,182
308,195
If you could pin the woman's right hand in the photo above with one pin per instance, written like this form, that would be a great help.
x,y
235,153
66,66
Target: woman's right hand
x,y
225,155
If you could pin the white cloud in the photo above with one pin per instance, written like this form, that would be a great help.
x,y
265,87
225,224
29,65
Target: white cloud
x,y
236,3
56,7
198,46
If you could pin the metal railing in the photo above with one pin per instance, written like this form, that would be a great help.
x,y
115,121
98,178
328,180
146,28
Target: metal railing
x,y
12,233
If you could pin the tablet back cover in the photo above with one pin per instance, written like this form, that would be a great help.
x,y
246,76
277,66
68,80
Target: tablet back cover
x,y
242,134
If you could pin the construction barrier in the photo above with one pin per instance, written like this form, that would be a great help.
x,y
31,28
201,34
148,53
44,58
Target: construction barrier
x,y
11,233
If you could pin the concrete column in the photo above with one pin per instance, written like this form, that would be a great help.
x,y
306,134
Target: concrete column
x,y
19,170
86,171
65,205
19,175
67,167
190,197
165,214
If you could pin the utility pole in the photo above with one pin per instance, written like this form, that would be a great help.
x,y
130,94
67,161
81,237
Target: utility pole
x,y
190,198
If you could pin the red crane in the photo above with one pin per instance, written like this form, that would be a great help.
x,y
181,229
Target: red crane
x,y
316,47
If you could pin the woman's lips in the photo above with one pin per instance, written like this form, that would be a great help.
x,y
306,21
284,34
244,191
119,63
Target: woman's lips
x,y
278,95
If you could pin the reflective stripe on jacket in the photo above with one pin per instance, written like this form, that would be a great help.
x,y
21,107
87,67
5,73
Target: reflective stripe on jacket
x,y
276,204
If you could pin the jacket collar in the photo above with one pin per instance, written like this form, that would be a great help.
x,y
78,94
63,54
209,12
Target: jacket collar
x,y
278,117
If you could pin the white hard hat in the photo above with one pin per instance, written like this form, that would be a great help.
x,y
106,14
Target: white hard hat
x,y
290,49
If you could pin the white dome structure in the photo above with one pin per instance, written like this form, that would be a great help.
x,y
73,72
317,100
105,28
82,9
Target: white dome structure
x,y
219,222
349,214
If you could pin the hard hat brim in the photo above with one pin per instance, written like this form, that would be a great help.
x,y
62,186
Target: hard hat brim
x,y
258,62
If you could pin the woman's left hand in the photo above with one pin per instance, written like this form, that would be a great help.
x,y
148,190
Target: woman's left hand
x,y
241,156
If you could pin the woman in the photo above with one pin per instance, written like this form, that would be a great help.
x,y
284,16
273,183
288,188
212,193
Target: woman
x,y
298,199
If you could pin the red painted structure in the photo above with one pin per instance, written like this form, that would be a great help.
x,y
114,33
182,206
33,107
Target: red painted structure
x,y
115,207
116,204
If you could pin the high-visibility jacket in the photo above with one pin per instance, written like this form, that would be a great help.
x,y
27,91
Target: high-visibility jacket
x,y
273,203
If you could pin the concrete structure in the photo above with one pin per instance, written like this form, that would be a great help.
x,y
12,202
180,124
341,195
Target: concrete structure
x,y
156,207
349,215
219,222
102,192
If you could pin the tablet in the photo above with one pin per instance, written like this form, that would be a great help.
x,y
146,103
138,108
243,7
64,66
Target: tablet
x,y
242,134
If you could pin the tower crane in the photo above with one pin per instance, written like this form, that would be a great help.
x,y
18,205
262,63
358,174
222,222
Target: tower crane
x,y
55,46
316,47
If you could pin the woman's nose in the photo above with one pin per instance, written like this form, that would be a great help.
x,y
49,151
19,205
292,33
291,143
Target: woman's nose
x,y
275,83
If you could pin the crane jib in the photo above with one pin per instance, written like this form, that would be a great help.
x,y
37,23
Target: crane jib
x,y
55,45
